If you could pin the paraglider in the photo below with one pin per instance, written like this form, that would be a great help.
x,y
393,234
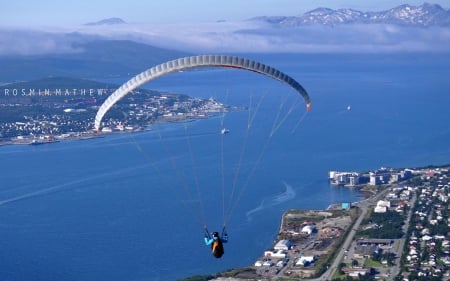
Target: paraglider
x,y
215,240
194,62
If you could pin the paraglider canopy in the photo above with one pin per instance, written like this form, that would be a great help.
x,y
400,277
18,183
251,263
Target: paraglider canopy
x,y
193,62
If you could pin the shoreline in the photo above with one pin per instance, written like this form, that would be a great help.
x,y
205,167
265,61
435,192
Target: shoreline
x,y
252,272
92,134
49,141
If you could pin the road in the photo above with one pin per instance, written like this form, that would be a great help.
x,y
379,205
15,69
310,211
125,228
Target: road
x,y
395,270
364,206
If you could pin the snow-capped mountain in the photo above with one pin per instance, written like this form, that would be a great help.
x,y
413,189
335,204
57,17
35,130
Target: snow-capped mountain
x,y
407,15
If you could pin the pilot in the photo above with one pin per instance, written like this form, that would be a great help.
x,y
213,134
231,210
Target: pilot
x,y
216,242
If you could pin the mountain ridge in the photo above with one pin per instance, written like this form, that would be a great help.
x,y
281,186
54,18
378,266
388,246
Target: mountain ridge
x,y
424,15
94,58
108,21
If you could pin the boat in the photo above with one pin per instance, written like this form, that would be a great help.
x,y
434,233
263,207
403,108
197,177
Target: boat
x,y
224,131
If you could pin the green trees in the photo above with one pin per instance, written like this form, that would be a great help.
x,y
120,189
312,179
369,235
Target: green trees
x,y
385,225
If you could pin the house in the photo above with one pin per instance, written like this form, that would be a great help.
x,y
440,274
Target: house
x,y
426,238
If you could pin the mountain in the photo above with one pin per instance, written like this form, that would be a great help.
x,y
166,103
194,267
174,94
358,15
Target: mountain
x,y
109,21
58,83
94,58
405,15
111,48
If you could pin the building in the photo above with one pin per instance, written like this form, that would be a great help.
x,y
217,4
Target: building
x,y
365,250
343,178
385,175
283,245
356,271
305,260
375,241
280,254
379,177
382,206
384,203
380,209
346,205
307,229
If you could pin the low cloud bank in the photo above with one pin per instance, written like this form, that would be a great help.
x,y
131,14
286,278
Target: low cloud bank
x,y
234,37
37,42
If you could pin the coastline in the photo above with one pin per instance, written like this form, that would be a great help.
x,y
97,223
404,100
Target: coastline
x,y
331,217
92,134
50,141
361,231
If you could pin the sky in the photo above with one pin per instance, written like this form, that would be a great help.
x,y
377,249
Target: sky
x,y
29,13
30,27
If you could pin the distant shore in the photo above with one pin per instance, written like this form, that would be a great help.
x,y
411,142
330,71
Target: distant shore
x,y
27,141
92,134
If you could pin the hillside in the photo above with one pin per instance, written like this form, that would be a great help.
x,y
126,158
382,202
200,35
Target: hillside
x,y
90,59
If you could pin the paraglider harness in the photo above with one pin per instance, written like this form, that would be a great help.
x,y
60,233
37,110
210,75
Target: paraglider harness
x,y
217,245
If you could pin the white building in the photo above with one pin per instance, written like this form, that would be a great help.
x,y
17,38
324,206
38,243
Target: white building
x,y
343,178
258,263
280,254
283,245
380,209
305,260
307,229
384,203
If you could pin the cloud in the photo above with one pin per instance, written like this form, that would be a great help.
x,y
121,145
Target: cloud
x,y
235,37
253,36
35,42
353,39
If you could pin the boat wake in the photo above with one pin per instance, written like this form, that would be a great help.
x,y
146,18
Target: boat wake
x,y
287,195
66,186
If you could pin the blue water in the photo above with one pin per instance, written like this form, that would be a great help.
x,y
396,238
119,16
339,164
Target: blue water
x,y
132,206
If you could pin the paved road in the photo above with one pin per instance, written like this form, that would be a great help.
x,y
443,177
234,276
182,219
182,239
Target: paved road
x,y
395,270
364,206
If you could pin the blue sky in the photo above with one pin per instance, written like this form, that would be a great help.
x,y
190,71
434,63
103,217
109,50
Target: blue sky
x,y
65,13
30,27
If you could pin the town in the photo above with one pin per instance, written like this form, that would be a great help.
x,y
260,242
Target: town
x,y
30,116
398,233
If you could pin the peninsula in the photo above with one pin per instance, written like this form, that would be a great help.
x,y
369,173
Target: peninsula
x,y
400,232
56,109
